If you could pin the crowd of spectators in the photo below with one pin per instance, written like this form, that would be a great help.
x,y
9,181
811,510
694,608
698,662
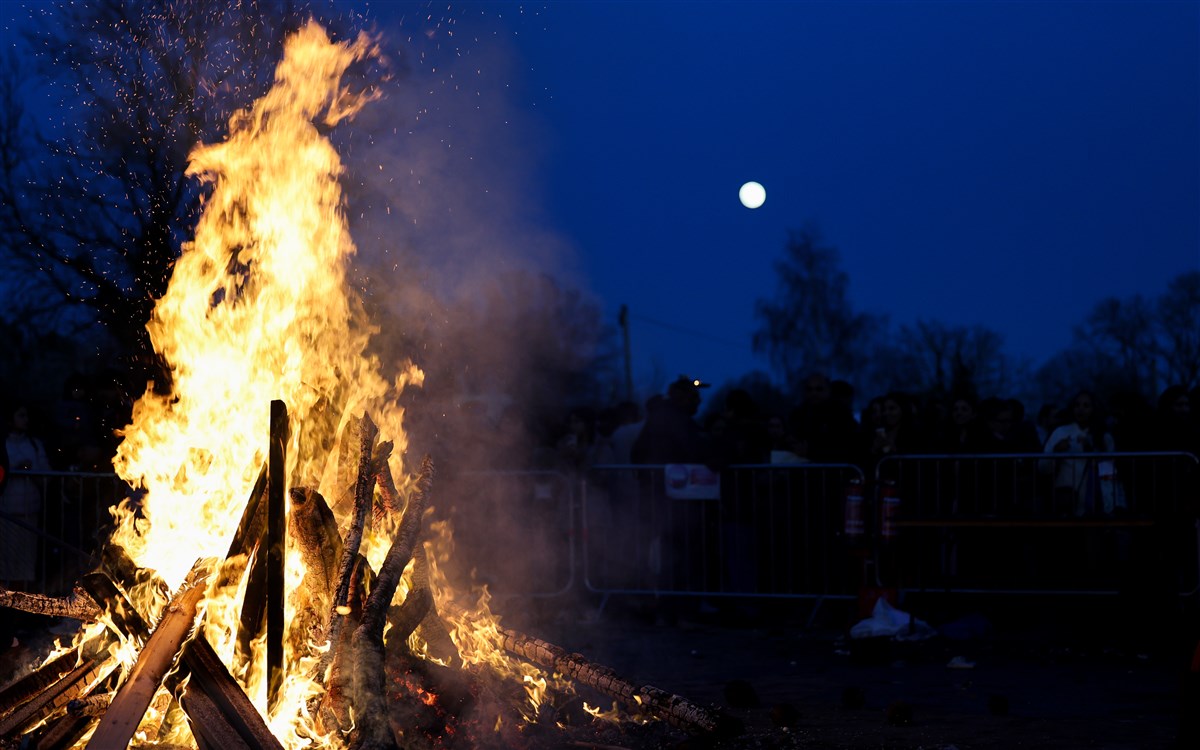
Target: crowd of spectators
x,y
824,428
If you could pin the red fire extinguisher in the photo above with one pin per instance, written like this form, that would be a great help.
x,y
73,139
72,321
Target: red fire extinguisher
x,y
855,523
889,507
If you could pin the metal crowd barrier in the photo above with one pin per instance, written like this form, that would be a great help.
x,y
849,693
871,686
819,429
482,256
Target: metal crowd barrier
x,y
1040,523
772,531
58,541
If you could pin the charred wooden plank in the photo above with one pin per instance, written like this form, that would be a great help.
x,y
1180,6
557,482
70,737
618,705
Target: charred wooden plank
x,y
432,629
81,714
211,678
62,733
390,502
275,541
125,619
77,605
253,616
362,504
398,556
20,690
132,699
249,532
368,676
350,547
209,727
55,697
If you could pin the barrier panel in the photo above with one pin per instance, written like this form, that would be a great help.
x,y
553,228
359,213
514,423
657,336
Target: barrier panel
x,y
513,530
763,531
1083,523
52,525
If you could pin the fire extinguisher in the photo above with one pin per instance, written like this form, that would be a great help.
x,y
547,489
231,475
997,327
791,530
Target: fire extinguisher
x,y
889,507
855,523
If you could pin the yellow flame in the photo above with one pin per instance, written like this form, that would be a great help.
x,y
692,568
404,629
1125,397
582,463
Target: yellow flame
x,y
258,309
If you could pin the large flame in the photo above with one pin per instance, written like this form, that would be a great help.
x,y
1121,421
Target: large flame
x,y
258,309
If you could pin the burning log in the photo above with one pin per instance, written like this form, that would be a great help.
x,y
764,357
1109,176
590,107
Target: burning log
x,y
71,685
367,642
388,494
210,678
208,723
94,705
362,504
249,532
314,531
133,698
77,605
81,714
274,543
673,708
431,629
21,690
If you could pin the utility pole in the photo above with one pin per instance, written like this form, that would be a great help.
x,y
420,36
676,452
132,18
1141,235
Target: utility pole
x,y
623,319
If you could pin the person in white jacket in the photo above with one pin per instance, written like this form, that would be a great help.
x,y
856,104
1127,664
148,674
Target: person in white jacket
x,y
1074,486
20,503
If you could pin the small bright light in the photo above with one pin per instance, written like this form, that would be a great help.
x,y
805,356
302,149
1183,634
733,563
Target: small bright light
x,y
752,195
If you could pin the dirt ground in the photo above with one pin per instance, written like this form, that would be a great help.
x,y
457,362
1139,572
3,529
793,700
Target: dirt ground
x,y
1028,676
785,676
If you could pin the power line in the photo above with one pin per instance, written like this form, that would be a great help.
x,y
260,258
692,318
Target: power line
x,y
692,332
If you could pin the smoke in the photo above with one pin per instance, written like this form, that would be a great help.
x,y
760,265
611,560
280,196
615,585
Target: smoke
x,y
464,274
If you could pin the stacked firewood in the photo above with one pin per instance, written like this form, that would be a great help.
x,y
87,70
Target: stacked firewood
x,y
378,693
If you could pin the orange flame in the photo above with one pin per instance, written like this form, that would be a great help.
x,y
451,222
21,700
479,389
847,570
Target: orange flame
x,y
258,309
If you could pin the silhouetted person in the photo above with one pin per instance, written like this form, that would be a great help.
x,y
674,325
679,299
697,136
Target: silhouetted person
x,y
1174,427
824,425
743,439
1006,429
671,434
963,431
21,503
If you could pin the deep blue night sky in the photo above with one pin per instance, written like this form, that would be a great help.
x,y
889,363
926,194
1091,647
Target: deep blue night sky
x,y
997,163
1006,164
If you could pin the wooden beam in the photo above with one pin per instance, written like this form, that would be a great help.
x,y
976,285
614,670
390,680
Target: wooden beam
x,y
208,724
211,677
77,605
20,690
46,703
275,541
121,720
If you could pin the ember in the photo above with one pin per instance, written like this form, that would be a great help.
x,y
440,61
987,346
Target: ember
x,y
276,586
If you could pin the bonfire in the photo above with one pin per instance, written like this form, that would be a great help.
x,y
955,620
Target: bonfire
x,y
276,583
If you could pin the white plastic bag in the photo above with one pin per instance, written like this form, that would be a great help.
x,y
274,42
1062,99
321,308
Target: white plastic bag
x,y
887,621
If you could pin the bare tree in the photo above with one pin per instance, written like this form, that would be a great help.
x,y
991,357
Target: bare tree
x,y
1178,313
94,200
810,324
1121,334
932,357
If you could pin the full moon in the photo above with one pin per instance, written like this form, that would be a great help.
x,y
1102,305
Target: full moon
x,y
752,195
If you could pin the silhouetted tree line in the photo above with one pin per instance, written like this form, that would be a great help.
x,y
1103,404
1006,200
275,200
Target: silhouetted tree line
x,y
1124,348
